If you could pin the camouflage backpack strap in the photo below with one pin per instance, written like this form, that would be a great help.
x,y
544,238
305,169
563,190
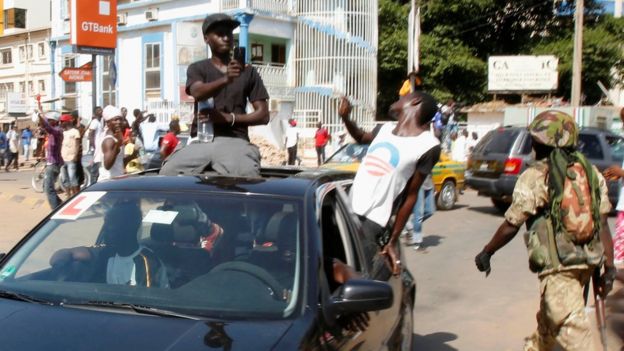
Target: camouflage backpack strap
x,y
558,162
594,184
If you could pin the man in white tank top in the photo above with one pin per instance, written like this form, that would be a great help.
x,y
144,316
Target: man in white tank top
x,y
112,142
398,160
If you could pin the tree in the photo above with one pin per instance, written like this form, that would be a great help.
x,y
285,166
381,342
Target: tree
x,y
459,36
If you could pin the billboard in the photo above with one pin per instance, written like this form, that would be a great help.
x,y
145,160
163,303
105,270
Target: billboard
x,y
522,73
94,26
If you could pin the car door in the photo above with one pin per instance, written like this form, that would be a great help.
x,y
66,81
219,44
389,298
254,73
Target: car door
x,y
384,322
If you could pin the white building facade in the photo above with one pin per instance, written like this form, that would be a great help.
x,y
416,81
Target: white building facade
x,y
24,56
157,40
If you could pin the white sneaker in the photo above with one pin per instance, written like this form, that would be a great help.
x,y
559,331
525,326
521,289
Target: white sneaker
x,y
411,241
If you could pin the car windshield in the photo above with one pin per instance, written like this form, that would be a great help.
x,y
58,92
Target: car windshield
x,y
203,254
498,141
349,153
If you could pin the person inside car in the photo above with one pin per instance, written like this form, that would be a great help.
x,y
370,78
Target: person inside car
x,y
120,259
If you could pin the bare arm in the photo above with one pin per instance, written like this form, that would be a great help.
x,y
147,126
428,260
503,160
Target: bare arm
x,y
359,135
503,235
403,214
201,91
259,116
110,150
67,255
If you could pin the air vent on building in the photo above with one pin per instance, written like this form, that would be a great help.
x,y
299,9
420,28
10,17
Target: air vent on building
x,y
151,14
122,19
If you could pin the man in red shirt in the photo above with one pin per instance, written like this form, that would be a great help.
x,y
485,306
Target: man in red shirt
x,y
320,141
170,140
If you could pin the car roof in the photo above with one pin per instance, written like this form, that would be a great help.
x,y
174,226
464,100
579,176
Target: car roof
x,y
586,130
282,181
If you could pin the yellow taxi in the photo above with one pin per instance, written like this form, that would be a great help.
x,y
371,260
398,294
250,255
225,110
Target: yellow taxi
x,y
448,175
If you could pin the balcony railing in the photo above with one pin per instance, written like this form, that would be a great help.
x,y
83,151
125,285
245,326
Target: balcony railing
x,y
272,6
275,76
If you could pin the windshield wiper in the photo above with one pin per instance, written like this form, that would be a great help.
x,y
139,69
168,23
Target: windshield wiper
x,y
132,307
5,294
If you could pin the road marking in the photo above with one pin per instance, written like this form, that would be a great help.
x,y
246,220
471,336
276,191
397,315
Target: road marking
x,y
32,202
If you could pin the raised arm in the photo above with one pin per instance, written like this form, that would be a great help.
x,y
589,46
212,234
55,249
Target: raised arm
x,y
357,133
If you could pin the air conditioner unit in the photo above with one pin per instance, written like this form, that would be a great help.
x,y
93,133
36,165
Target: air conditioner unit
x,y
122,19
151,14
275,105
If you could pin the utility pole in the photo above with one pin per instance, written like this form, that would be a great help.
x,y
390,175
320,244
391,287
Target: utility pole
x,y
577,63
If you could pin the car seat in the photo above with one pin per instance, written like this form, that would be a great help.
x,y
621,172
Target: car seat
x,y
177,244
277,246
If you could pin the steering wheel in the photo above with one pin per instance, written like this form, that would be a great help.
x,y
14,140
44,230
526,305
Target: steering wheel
x,y
257,272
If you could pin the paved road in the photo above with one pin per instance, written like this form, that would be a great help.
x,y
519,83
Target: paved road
x,y
457,308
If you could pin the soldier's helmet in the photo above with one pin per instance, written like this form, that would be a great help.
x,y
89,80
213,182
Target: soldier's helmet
x,y
554,128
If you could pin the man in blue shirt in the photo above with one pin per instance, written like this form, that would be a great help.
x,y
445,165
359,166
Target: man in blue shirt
x,y
26,136
3,146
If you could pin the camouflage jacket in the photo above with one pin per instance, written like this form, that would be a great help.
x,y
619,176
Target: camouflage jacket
x,y
530,197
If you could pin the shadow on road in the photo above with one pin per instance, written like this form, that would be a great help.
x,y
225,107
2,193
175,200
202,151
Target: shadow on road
x,y
490,210
431,241
433,342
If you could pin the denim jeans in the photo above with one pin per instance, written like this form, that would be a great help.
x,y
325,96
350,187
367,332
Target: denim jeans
x,y
49,179
70,177
94,169
423,209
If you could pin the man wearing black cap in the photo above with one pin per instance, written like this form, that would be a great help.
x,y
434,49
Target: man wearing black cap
x,y
227,85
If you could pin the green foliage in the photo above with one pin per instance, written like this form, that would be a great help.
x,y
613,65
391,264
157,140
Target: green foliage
x,y
459,36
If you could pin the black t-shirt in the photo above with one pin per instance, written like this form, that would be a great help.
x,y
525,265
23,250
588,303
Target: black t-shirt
x,y
232,98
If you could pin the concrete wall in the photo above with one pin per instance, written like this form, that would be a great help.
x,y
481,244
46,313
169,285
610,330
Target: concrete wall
x,y
483,122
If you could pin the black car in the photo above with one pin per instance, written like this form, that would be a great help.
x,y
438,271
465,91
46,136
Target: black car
x,y
220,263
504,153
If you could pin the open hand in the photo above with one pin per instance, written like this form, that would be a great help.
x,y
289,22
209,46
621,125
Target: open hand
x,y
613,173
344,109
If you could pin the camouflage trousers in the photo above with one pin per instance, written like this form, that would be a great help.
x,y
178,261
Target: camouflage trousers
x,y
561,319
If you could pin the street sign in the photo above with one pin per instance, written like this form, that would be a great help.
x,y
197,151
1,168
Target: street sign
x,y
71,74
94,26
522,73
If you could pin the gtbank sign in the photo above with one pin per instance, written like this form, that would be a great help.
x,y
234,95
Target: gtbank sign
x,y
94,23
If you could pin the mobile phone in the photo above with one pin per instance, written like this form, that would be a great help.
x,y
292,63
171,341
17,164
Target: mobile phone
x,y
240,54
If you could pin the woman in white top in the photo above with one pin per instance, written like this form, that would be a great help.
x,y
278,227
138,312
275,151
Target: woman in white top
x,y
112,144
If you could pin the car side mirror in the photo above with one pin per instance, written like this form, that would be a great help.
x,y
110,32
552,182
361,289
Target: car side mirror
x,y
359,295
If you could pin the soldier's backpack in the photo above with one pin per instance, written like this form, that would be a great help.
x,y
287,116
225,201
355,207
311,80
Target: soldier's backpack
x,y
567,232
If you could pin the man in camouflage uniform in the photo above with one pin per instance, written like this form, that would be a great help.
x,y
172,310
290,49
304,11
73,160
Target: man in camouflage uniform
x,y
561,319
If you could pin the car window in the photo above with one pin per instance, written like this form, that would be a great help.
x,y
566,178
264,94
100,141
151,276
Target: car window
x,y
616,144
201,254
349,153
526,145
336,241
499,141
589,145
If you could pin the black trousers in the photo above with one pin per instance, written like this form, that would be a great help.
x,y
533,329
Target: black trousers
x,y
320,154
292,155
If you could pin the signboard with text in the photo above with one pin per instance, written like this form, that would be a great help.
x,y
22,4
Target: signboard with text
x,y
94,26
522,73
16,103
